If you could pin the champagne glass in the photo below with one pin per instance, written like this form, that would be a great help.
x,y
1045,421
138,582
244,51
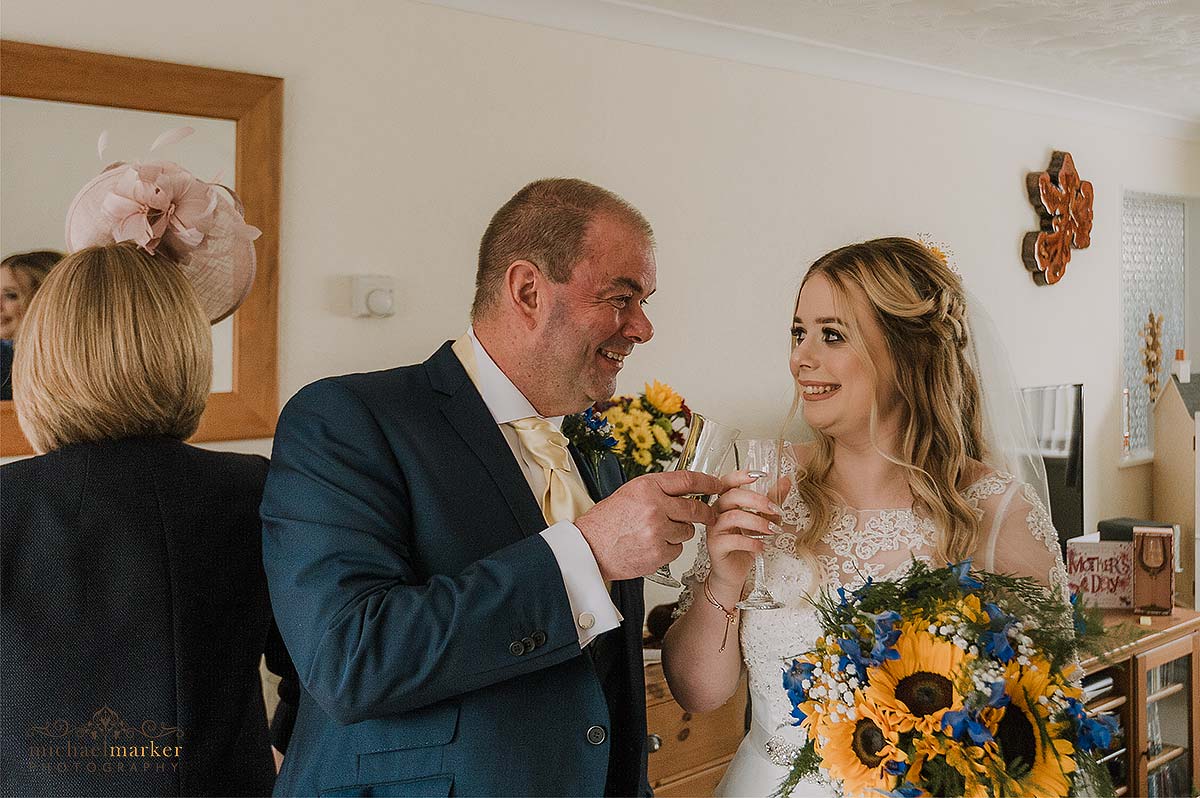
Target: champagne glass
x,y
708,444
762,456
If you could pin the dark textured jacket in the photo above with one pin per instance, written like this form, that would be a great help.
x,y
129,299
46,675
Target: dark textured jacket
x,y
133,617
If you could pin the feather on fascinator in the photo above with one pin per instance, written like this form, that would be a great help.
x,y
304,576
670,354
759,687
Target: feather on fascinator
x,y
163,207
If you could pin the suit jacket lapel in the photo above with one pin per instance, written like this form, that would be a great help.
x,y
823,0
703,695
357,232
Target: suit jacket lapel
x,y
465,410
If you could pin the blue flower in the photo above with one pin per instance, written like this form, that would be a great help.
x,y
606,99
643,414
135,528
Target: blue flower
x,y
1077,614
996,644
864,589
599,424
962,572
965,724
852,655
1091,734
895,767
995,641
793,679
905,790
998,697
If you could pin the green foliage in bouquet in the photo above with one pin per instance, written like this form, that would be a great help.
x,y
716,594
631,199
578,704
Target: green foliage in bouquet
x,y
948,682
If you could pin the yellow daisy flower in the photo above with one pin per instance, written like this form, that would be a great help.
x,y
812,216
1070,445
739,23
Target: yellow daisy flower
x,y
916,690
618,418
663,398
641,437
638,417
642,457
661,437
858,749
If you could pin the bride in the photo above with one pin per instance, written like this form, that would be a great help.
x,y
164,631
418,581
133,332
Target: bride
x,y
909,461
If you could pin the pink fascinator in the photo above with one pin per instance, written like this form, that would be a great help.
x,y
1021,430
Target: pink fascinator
x,y
162,207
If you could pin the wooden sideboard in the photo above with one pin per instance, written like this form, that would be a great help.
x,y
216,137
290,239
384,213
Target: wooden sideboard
x,y
1156,696
689,751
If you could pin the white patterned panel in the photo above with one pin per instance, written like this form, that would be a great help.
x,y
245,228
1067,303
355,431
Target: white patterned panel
x,y
1152,279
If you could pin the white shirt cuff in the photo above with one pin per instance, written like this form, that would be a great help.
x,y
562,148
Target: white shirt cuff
x,y
591,606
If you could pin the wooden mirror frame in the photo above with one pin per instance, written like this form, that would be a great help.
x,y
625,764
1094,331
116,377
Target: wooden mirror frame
x,y
255,103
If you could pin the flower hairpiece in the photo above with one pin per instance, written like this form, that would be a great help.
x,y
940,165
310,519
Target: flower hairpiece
x,y
940,251
162,205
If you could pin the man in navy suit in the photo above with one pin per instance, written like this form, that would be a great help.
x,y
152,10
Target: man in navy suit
x,y
459,590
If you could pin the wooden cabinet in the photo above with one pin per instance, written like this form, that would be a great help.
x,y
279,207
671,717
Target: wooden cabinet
x,y
689,751
1156,695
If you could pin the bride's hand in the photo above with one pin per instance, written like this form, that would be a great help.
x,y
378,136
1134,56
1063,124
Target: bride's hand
x,y
730,551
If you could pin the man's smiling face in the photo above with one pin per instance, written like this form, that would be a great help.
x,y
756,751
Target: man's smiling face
x,y
595,319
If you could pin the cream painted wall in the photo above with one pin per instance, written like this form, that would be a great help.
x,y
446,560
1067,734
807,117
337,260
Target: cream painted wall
x,y
406,125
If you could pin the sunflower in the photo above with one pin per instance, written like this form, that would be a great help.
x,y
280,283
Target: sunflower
x,y
1044,763
857,751
970,608
663,398
917,689
642,457
967,760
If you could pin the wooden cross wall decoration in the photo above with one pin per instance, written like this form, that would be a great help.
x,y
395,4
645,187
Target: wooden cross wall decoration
x,y
1064,206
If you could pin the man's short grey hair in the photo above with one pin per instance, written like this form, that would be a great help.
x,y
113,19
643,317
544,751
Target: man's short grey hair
x,y
546,223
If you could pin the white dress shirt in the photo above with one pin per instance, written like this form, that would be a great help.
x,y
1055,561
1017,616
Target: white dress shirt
x,y
591,606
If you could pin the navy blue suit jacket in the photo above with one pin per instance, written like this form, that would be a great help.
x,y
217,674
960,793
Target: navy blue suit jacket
x,y
425,613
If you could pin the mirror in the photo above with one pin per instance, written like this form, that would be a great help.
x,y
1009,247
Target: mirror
x,y
48,151
53,105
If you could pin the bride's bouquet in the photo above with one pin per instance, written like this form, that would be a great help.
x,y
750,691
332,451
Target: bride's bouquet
x,y
948,682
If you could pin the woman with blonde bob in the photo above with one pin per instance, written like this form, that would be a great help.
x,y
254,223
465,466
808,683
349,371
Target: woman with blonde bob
x,y
133,597
117,347
907,461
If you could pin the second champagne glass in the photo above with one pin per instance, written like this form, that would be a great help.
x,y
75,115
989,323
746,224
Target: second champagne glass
x,y
708,444
765,456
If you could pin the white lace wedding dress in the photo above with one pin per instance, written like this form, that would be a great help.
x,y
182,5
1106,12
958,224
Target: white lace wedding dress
x,y
1016,537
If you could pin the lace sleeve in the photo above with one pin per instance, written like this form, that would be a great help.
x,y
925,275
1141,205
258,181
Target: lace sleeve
x,y
694,577
1023,542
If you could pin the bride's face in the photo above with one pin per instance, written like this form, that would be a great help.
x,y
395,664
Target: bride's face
x,y
836,386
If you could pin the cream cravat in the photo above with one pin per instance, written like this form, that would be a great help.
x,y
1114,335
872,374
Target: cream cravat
x,y
564,499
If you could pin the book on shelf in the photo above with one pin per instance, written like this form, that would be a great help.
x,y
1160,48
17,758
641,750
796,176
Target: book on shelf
x,y
1122,528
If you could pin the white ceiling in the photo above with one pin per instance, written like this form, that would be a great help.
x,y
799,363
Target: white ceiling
x,y
1135,53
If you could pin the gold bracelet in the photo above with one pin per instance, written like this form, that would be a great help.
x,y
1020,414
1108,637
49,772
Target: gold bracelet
x,y
730,617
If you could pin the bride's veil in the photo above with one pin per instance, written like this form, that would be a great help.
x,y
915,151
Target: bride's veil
x,y
1008,428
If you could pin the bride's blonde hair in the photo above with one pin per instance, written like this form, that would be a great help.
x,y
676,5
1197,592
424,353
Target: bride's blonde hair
x,y
920,307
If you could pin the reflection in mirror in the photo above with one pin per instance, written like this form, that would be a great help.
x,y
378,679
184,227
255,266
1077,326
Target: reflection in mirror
x,y
48,151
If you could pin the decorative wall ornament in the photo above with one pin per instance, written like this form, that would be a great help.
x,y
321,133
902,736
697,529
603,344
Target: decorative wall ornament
x,y
1064,206
1151,336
